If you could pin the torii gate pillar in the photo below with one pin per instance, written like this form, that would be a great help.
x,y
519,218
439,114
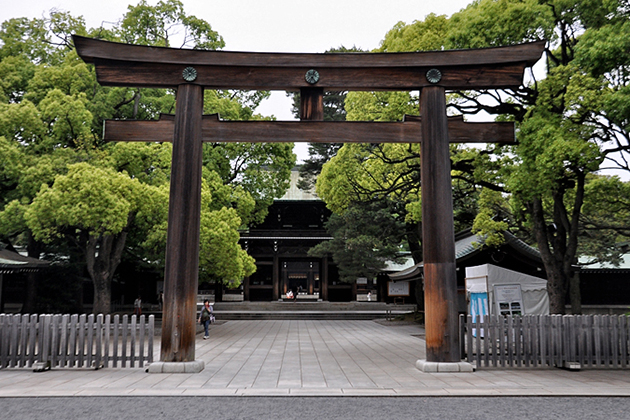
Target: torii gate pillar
x,y
182,242
438,235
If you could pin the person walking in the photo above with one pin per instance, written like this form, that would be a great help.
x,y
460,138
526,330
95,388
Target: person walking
x,y
137,306
205,316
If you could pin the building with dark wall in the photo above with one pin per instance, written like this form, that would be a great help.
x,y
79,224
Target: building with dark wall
x,y
280,245
470,251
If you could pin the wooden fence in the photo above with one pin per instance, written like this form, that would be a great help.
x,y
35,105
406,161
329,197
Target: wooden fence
x,y
49,341
569,341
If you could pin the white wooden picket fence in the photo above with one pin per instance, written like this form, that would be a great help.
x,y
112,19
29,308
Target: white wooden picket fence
x,y
569,341
88,341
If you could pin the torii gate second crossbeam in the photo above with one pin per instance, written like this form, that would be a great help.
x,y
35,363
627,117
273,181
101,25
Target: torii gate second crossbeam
x,y
192,71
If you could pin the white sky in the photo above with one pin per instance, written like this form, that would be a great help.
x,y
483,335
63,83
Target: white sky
x,y
267,26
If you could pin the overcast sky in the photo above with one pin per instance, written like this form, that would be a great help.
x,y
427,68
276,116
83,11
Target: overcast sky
x,y
267,25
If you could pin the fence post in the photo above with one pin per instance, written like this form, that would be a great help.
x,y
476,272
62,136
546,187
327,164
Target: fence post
x,y
623,340
98,355
151,334
24,328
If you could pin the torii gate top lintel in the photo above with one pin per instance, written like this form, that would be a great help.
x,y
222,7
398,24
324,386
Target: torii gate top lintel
x,y
486,68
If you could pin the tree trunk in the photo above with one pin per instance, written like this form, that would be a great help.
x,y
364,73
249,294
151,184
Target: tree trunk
x,y
103,255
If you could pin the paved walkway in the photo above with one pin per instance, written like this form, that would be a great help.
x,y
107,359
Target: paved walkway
x,y
313,358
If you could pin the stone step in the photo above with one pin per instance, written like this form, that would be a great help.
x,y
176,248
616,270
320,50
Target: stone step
x,y
303,315
310,306
308,310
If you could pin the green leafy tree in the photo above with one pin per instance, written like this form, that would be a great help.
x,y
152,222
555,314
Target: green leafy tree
x,y
51,117
93,208
365,237
569,122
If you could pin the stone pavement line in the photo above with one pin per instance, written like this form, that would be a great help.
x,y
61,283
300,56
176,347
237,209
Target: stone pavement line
x,y
312,358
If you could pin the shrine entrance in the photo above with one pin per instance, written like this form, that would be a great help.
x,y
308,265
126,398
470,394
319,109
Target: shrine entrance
x,y
192,71
302,278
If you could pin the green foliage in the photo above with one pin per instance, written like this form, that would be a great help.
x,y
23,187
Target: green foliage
x,y
365,237
568,124
153,25
62,184
95,200
425,35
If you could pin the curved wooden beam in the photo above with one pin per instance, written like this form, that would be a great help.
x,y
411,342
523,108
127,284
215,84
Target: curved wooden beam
x,y
143,66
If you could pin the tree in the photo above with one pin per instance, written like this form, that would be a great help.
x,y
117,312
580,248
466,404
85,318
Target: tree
x,y
365,237
93,208
568,123
51,117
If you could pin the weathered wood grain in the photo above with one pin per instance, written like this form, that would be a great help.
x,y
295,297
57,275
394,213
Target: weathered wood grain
x,y
215,130
438,235
142,66
181,270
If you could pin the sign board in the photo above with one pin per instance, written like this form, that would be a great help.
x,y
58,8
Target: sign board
x,y
362,280
398,289
509,299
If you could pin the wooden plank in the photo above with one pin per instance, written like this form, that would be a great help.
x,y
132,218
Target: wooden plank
x,y
589,338
133,332
493,337
597,339
581,331
544,340
45,332
81,335
469,339
72,343
89,340
526,340
24,340
536,347
63,340
115,345
569,337
107,331
151,333
462,69
141,357
215,130
503,349
33,339
509,334
98,351
606,336
124,340
623,341
148,75
91,49
462,337
4,340
478,350
614,340
556,350
54,340
13,341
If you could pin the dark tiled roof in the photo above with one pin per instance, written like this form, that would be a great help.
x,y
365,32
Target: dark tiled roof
x,y
11,262
466,244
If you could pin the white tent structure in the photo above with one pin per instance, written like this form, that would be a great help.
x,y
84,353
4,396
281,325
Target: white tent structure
x,y
498,291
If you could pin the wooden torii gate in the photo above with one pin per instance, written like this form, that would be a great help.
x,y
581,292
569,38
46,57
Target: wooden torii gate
x,y
192,71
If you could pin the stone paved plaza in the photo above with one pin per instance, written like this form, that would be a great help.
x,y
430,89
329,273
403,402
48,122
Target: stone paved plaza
x,y
313,358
